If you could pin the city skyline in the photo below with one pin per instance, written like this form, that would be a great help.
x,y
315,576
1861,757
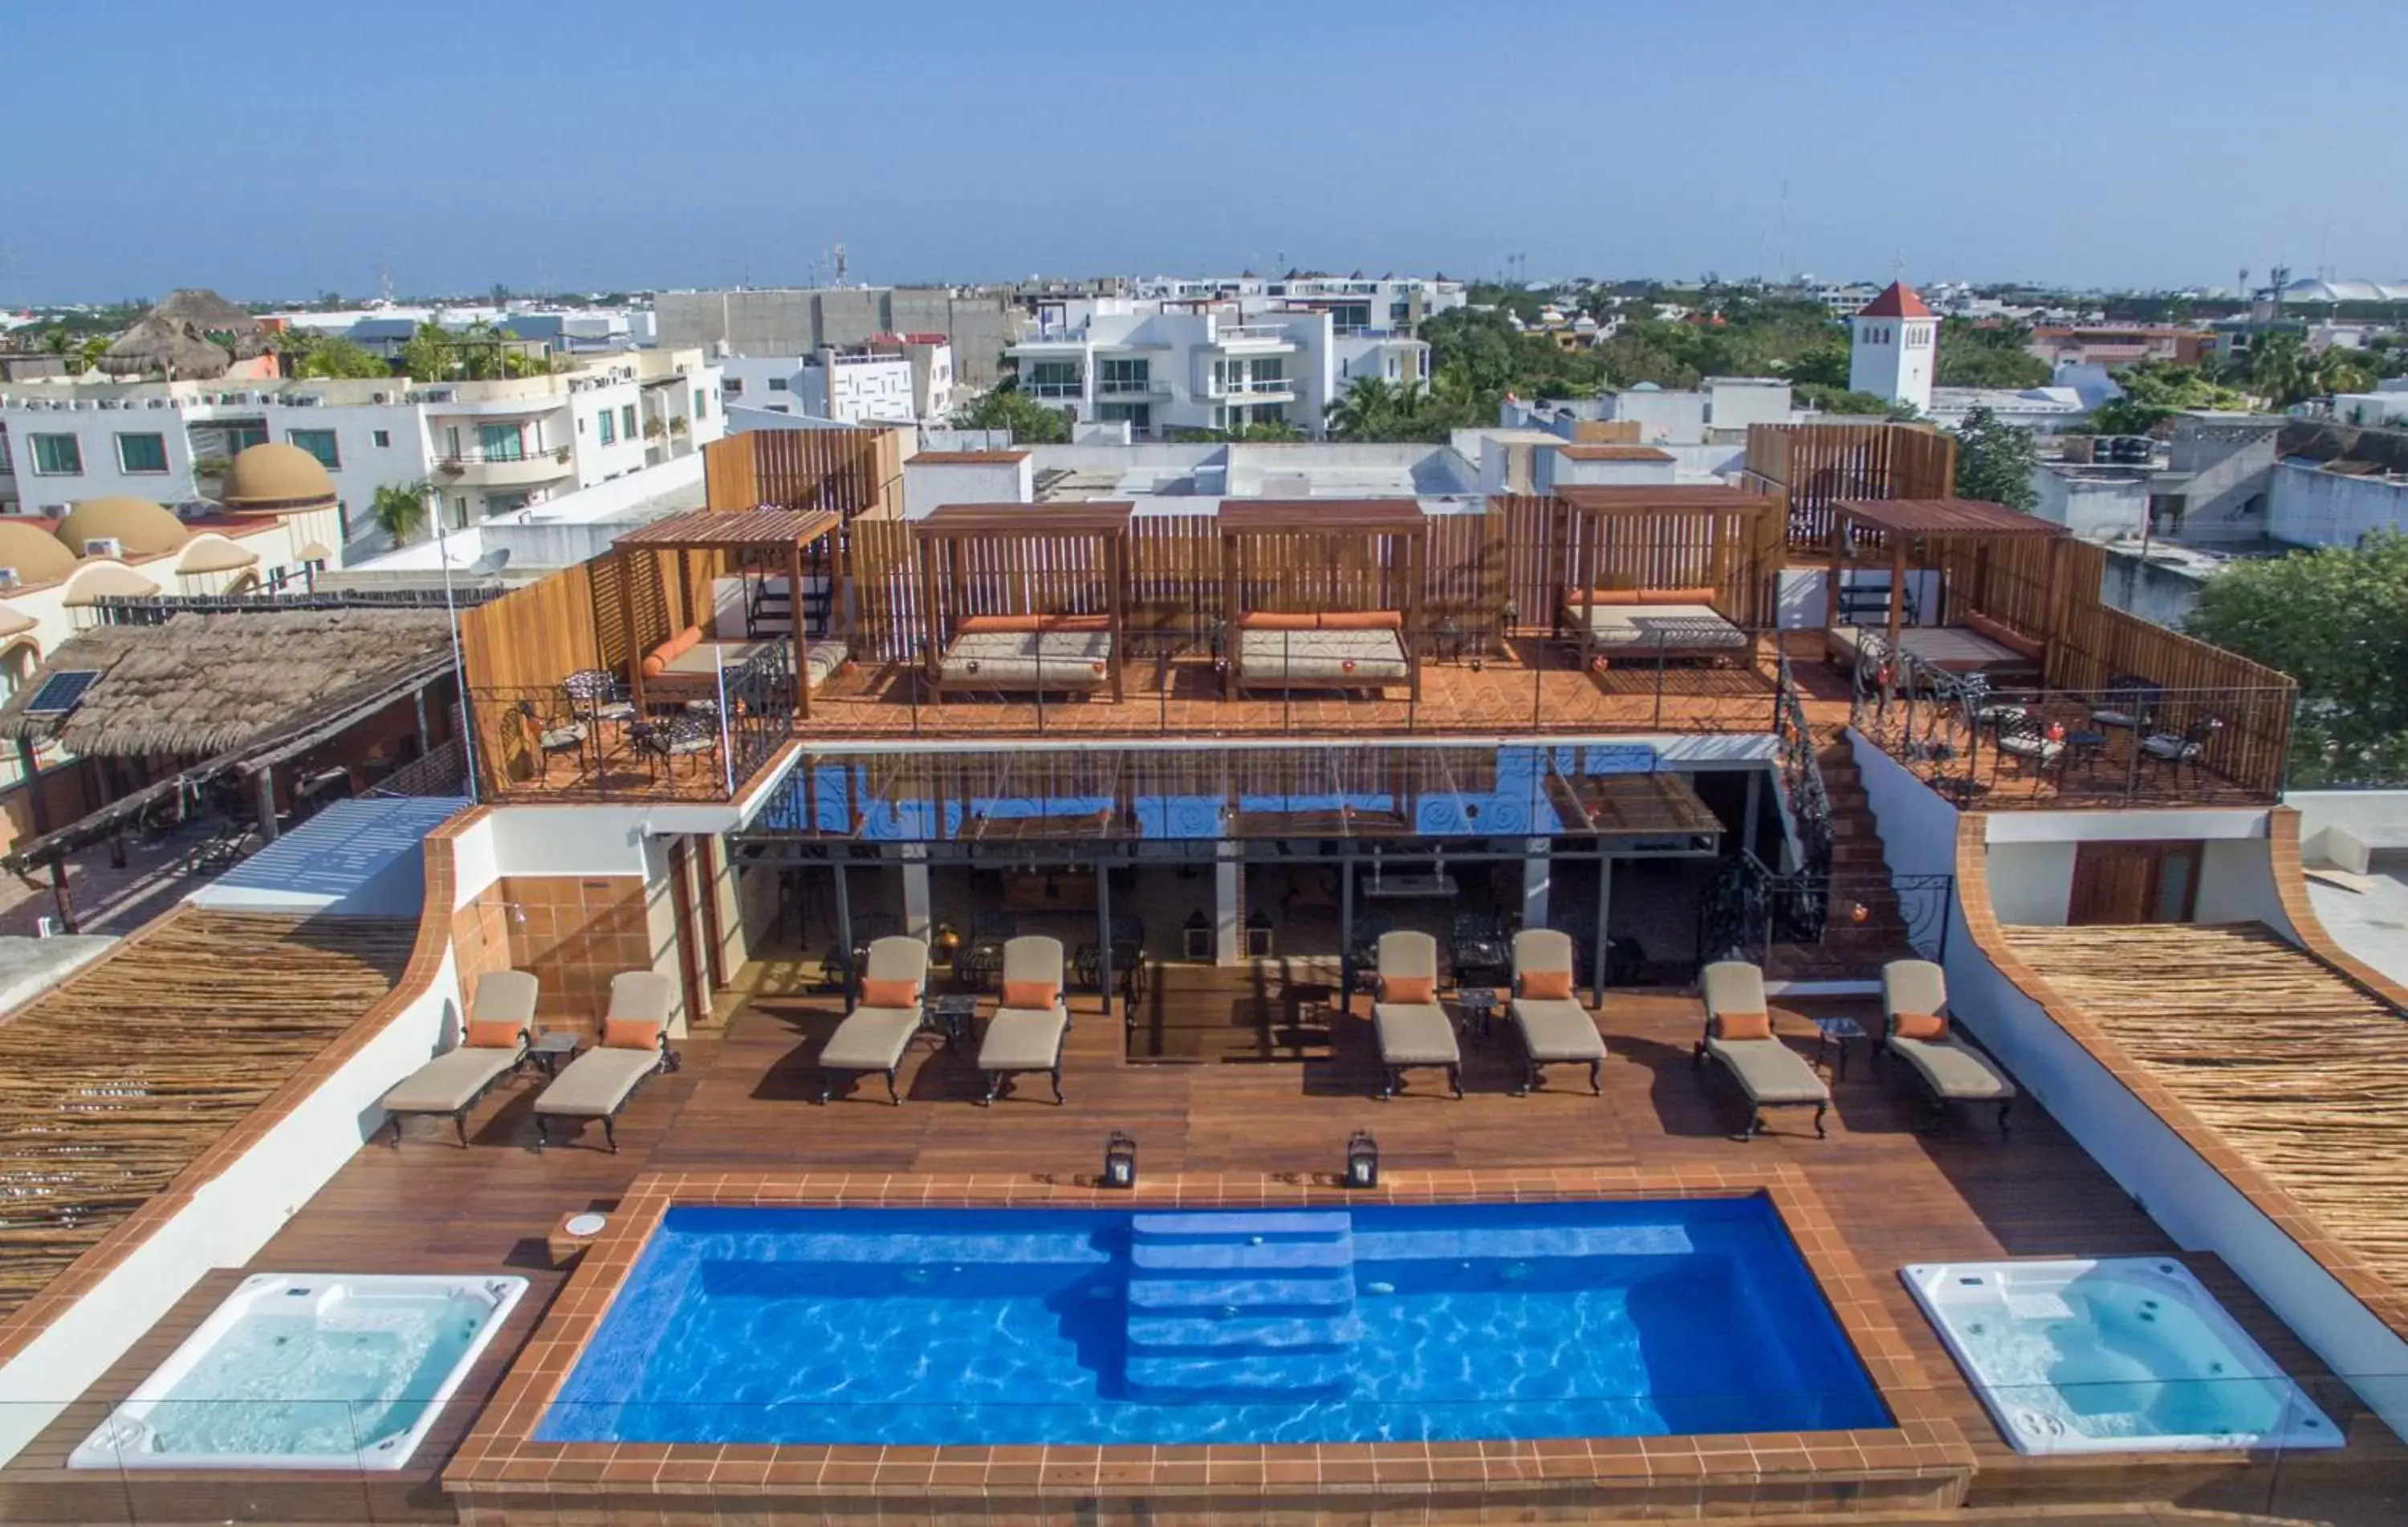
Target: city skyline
x,y
598,148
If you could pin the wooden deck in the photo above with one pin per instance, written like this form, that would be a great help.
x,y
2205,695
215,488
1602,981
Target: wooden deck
x,y
740,1104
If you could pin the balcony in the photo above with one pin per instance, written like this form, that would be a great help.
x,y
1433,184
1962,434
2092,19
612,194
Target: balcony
x,y
505,470
1252,337
1141,387
1258,389
1058,390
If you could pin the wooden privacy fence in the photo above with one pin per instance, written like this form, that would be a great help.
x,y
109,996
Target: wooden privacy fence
x,y
855,472
1517,555
1811,466
576,618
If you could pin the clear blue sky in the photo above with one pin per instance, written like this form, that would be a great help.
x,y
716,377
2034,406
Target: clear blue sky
x,y
279,148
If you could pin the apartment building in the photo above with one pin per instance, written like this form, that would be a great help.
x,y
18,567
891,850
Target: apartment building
x,y
1166,367
2127,344
487,447
1353,302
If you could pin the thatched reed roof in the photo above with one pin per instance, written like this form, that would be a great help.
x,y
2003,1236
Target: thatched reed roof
x,y
208,684
165,344
206,310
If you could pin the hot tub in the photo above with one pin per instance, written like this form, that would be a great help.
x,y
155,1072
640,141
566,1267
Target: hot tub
x,y
299,1372
2125,1354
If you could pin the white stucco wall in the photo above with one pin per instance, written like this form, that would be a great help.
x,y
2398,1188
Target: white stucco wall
x,y
2310,507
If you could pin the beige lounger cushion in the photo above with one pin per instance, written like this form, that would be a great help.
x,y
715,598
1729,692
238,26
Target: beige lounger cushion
x,y
1322,656
1414,1035
823,658
1020,1040
704,660
870,1039
1557,1030
451,1081
504,997
596,1082
1058,659
642,996
1673,628
1770,1072
1953,1071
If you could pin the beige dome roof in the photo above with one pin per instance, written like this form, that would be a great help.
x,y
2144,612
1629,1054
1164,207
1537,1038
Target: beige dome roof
x,y
28,547
214,553
143,527
270,477
105,580
15,622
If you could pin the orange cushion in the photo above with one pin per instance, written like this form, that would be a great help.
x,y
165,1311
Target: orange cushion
x,y
1927,1025
1031,996
1078,622
890,994
655,666
1267,620
1362,620
1603,598
975,624
1676,595
1745,1025
1547,985
1408,990
630,1034
493,1035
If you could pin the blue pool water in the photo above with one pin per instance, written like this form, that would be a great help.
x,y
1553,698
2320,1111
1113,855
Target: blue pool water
x,y
916,1325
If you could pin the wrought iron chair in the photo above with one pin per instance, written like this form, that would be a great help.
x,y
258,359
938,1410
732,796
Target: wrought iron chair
x,y
2034,746
2127,703
837,967
1477,949
979,964
2171,750
550,739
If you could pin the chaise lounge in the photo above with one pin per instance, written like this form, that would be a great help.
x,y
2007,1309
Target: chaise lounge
x,y
1739,1036
634,1047
492,1044
1555,1029
1027,1031
1915,1028
1412,1030
886,1016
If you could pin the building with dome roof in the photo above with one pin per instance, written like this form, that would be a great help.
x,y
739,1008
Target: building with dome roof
x,y
120,525
271,477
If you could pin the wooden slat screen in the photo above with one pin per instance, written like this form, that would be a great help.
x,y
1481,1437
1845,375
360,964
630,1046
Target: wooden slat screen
x,y
1811,466
857,471
535,635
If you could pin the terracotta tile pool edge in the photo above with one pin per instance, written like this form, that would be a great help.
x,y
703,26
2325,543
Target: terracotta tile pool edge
x,y
1924,1450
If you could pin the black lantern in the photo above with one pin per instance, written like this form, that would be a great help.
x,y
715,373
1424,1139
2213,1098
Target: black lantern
x,y
1362,1161
1119,1161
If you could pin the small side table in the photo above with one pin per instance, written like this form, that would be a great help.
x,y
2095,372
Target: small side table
x,y
552,1049
1836,1032
1482,1004
954,1013
573,1234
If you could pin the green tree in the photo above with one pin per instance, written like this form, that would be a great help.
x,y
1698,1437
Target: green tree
x,y
2156,390
428,355
336,356
1987,355
1031,422
88,354
1994,461
2281,370
2337,621
400,510
1823,366
1842,401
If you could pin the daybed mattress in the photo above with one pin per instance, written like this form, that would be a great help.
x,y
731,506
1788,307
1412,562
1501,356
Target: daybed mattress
x,y
1951,649
1025,659
1342,657
1671,628
705,659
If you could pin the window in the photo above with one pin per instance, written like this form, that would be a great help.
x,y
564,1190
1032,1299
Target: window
x,y
242,437
452,443
627,421
701,404
1139,415
1054,379
318,443
778,384
733,387
57,455
142,452
1126,376
607,426
384,438
502,443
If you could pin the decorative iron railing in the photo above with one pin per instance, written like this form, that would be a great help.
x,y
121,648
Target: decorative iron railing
x,y
443,772
1829,923
584,738
1801,775
158,609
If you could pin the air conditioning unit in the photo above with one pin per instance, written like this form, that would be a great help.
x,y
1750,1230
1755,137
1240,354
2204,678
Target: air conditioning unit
x,y
439,395
54,512
110,403
154,403
104,546
8,578
380,398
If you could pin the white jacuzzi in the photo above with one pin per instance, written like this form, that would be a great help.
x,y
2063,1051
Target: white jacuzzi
x,y
2122,1354
299,1372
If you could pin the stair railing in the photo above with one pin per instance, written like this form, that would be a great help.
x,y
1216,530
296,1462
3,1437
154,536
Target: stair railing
x,y
1801,775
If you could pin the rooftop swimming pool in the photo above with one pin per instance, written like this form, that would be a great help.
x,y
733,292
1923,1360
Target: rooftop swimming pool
x,y
2124,1354
1007,1326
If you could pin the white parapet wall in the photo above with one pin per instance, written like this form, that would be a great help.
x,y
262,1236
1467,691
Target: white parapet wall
x,y
2190,1199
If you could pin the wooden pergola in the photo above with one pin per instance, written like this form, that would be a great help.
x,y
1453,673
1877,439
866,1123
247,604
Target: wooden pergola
x,y
1900,521
1303,540
1599,509
1028,552
765,530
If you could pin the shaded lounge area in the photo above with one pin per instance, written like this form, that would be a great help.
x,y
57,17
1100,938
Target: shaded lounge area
x,y
1321,594
1665,573
1023,603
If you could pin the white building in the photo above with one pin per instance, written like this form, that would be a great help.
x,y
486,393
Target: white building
x,y
1165,368
486,447
1893,341
1353,302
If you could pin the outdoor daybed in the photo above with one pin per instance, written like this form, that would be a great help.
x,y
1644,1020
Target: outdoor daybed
x,y
1025,653
1640,624
687,667
1739,1036
1333,650
492,1044
633,1048
1916,1028
1978,645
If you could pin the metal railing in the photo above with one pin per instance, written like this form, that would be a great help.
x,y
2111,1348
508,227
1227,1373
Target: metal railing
x,y
700,737
1827,923
1801,774
443,772
158,609
1054,389
1141,387
2130,741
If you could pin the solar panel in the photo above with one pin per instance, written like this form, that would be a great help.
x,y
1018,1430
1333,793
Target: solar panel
x,y
62,692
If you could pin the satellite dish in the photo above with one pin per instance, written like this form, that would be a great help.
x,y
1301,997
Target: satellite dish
x,y
491,563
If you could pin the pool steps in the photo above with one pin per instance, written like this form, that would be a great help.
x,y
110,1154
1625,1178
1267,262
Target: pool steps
x,y
1240,1307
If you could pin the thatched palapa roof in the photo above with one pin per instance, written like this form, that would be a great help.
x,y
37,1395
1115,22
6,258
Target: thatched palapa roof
x,y
163,344
208,685
206,310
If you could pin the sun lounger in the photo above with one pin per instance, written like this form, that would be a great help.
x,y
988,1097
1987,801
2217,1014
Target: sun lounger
x,y
1555,1030
635,1046
887,1016
492,1044
1914,991
1739,1036
1027,1031
1412,1028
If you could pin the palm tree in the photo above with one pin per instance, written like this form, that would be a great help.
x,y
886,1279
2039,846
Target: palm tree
x,y
1366,411
2280,369
400,510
